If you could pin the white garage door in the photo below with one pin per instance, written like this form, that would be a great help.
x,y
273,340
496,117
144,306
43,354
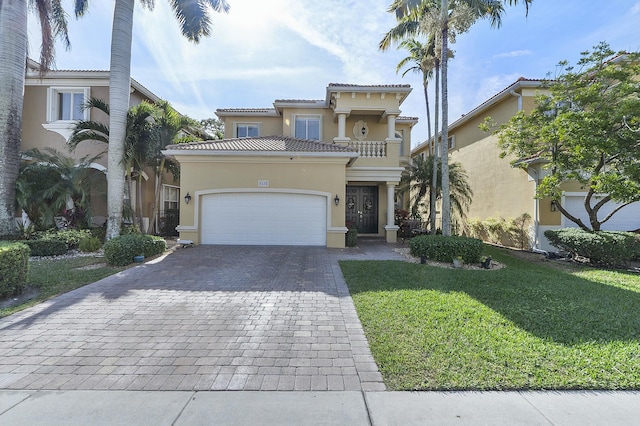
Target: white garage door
x,y
626,219
264,219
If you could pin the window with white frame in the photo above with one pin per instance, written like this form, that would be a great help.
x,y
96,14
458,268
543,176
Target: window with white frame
x,y
170,197
307,127
452,142
66,104
247,130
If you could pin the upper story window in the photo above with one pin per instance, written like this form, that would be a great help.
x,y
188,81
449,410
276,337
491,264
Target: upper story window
x,y
170,197
452,142
307,127
247,130
66,104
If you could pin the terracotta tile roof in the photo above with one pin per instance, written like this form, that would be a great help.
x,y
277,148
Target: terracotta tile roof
x,y
403,117
262,144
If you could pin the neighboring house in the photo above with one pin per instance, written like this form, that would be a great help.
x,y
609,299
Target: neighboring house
x,y
298,173
52,106
502,190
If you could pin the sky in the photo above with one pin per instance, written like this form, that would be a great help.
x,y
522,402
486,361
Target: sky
x,y
264,50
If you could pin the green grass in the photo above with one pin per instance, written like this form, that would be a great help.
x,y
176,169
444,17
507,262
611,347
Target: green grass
x,y
526,326
49,278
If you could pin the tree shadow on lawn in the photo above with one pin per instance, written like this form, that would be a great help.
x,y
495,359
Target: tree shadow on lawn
x,y
543,301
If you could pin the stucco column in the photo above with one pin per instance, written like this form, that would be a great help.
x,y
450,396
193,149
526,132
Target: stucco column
x,y
391,228
342,124
391,126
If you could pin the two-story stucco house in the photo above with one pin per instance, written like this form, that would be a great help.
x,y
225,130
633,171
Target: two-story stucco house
x,y
298,173
52,107
501,190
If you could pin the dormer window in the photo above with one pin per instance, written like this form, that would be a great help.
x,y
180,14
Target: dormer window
x,y
247,130
307,127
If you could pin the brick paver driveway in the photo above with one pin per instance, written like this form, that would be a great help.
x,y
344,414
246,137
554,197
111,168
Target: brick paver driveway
x,y
210,317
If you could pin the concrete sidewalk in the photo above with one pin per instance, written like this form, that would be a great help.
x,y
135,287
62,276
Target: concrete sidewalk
x,y
317,408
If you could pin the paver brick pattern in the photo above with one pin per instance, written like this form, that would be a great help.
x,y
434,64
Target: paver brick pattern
x,y
203,318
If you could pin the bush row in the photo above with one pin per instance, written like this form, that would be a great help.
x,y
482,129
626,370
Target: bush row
x,y
14,265
444,249
119,251
606,248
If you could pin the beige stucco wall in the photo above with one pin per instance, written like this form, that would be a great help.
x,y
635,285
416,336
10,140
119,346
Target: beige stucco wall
x,y
205,173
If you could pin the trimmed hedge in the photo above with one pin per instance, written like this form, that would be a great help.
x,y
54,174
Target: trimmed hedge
x,y
445,249
71,237
49,247
14,266
119,251
352,237
606,248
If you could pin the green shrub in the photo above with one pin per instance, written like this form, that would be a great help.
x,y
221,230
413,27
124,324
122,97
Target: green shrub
x,y
445,249
607,248
50,247
120,251
14,266
89,244
130,229
71,237
99,233
352,237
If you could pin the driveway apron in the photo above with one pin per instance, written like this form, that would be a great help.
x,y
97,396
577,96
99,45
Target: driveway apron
x,y
203,318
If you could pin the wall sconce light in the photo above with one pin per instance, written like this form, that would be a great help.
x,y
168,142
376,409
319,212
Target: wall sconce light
x,y
187,198
554,206
336,200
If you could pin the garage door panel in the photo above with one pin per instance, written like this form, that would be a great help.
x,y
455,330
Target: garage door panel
x,y
625,219
264,219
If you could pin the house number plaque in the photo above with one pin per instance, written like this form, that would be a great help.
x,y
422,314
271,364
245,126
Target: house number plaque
x,y
263,183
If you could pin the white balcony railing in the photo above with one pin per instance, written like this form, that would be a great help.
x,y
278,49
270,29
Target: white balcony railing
x,y
370,149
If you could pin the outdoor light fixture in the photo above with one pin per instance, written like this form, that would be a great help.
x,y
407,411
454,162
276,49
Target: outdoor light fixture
x,y
187,198
336,200
554,206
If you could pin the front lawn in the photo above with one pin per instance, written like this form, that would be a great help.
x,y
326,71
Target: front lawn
x,y
527,326
49,278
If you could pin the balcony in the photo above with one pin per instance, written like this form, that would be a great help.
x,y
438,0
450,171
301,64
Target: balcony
x,y
370,149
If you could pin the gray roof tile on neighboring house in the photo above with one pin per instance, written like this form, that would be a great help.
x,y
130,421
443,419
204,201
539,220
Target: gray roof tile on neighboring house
x,y
262,144
298,101
265,110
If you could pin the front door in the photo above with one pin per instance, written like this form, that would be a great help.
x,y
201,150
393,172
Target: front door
x,y
362,208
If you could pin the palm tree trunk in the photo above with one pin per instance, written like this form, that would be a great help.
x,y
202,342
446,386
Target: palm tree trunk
x,y
156,210
119,86
434,156
13,59
444,143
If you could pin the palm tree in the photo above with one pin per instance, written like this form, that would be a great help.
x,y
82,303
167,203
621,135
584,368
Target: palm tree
x,y
51,184
193,17
140,137
417,179
13,58
422,11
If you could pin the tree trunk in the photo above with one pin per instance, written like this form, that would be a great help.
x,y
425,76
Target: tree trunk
x,y
444,143
119,86
434,155
158,186
13,59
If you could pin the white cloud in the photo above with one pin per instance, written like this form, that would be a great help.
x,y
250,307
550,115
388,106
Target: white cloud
x,y
493,85
513,54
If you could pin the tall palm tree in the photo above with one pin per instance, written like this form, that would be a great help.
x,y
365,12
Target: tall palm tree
x,y
421,10
13,59
194,19
418,180
140,139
